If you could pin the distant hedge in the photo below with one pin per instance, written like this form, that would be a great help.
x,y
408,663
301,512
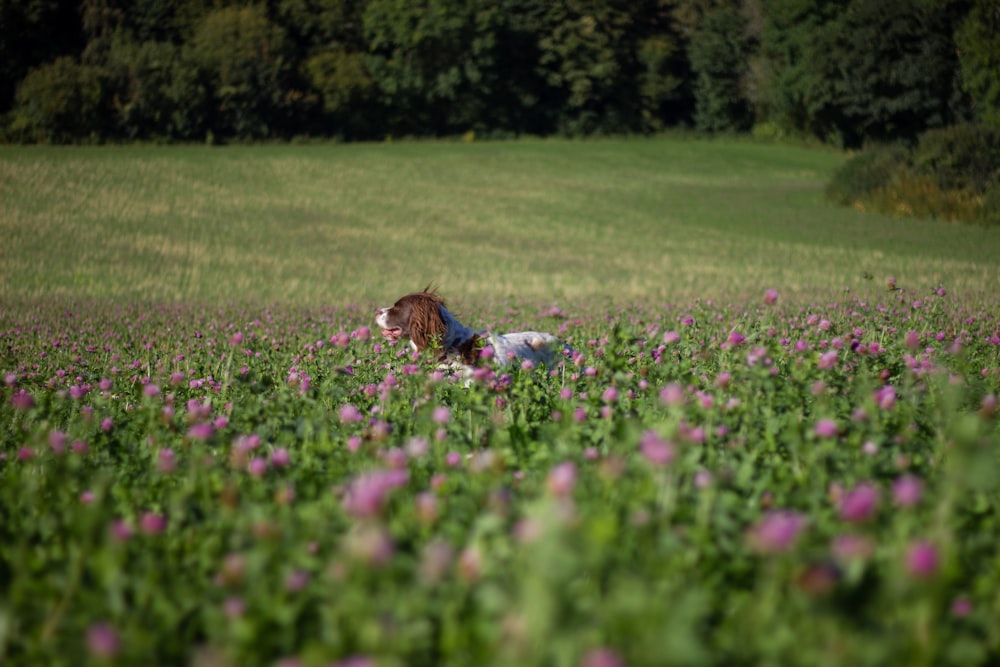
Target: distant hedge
x,y
951,173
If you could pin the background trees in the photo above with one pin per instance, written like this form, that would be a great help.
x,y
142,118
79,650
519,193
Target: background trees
x,y
844,71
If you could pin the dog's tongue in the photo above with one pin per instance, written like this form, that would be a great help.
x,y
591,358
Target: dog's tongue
x,y
392,334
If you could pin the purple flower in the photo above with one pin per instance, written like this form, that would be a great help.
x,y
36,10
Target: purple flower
x,y
57,441
655,449
103,641
776,532
735,338
152,523
610,395
912,340
961,607
201,431
885,397
151,390
860,503
921,559
257,466
562,479
441,415
350,414
120,531
827,360
906,491
672,394
22,400
826,428
771,297
106,424
367,493
296,580
280,457
234,607
427,507
166,461
601,657
702,480
849,547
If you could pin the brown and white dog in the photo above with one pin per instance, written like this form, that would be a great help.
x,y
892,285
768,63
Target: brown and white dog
x,y
423,318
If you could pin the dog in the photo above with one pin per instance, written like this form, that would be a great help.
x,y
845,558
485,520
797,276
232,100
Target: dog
x,y
423,318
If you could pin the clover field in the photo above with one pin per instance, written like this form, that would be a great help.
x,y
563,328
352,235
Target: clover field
x,y
751,483
774,440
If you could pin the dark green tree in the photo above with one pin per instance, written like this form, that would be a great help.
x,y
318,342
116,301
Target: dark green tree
x,y
33,32
791,79
436,63
720,53
879,70
978,40
243,59
60,102
140,81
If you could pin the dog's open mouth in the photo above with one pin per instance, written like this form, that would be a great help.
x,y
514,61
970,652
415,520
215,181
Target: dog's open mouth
x,y
394,333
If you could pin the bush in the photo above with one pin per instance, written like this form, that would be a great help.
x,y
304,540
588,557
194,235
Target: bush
x,y
963,157
866,173
59,102
951,174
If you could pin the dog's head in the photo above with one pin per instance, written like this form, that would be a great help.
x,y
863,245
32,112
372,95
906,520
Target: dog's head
x,y
415,316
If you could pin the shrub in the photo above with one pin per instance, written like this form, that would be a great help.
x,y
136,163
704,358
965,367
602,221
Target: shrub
x,y
951,174
59,102
866,173
963,157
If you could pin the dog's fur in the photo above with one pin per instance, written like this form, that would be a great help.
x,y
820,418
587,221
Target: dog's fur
x,y
423,318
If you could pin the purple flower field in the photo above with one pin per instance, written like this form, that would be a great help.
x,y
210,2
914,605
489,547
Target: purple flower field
x,y
704,483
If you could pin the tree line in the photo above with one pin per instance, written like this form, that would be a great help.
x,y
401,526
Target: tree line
x,y
847,72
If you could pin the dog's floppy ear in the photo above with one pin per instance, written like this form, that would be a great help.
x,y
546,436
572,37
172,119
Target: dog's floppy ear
x,y
426,323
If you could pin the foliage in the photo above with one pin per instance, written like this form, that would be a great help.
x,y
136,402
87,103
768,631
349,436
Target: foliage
x,y
863,70
243,58
60,102
719,59
978,42
867,173
951,173
140,78
346,87
697,483
846,71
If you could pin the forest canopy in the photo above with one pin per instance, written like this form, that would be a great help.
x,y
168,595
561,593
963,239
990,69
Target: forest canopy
x,y
846,72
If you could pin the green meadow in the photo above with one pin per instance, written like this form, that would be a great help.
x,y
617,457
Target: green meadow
x,y
662,219
753,452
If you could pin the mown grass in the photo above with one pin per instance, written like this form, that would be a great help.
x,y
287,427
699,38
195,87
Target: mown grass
x,y
661,219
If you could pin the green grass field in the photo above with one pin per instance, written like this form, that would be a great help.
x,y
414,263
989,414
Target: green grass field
x,y
630,220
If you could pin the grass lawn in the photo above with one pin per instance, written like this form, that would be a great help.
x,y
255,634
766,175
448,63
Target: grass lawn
x,y
652,220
